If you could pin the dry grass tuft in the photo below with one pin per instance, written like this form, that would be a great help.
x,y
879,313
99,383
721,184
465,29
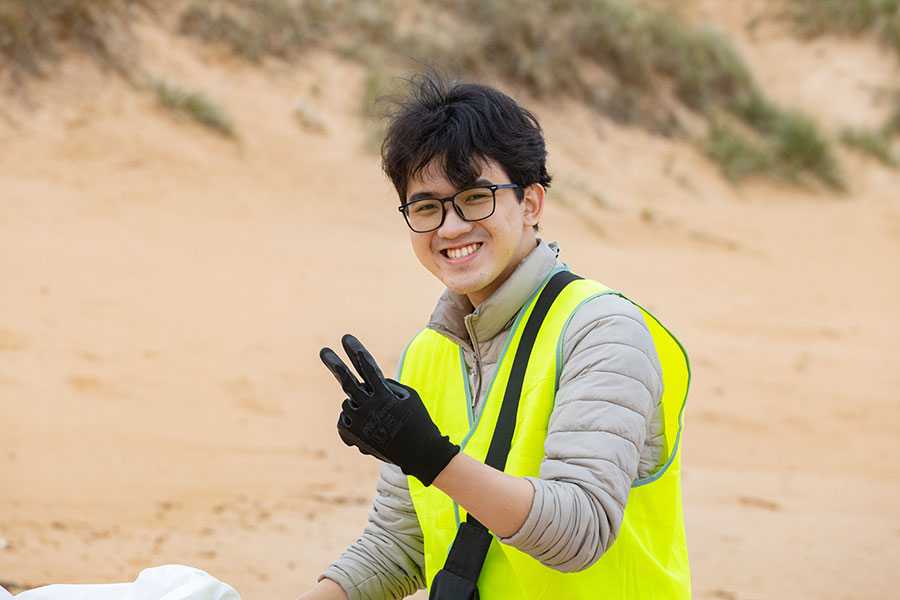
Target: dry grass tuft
x,y
637,65
874,143
848,17
195,105
33,31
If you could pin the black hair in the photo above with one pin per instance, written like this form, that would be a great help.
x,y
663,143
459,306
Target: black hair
x,y
461,125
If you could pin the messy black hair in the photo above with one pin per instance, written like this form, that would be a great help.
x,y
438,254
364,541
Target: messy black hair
x,y
461,125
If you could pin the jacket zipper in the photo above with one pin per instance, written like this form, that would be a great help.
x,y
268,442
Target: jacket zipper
x,y
478,374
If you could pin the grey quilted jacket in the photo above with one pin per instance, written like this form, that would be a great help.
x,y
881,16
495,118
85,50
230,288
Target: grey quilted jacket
x,y
605,431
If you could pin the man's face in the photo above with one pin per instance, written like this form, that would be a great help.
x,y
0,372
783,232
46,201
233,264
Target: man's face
x,y
476,257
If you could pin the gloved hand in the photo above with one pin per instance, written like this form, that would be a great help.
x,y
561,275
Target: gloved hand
x,y
385,418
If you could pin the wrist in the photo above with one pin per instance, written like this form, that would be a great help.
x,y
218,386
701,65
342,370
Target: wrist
x,y
434,461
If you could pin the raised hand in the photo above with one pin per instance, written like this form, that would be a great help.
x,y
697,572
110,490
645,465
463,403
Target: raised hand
x,y
385,418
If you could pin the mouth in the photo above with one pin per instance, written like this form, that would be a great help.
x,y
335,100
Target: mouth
x,y
461,252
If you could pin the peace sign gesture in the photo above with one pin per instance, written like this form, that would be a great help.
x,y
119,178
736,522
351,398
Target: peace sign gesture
x,y
384,418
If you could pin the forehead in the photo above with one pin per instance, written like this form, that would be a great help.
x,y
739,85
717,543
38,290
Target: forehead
x,y
433,181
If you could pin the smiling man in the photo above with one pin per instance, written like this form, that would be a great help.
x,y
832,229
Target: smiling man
x,y
530,444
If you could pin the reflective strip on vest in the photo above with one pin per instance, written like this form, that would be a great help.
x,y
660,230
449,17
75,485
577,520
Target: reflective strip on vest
x,y
648,558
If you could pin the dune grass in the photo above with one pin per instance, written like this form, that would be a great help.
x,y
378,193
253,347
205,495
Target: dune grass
x,y
874,143
848,17
637,65
194,104
892,125
791,149
31,31
255,29
632,63
736,154
878,142
636,45
252,30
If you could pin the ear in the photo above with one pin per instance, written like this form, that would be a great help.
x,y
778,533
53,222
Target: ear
x,y
533,204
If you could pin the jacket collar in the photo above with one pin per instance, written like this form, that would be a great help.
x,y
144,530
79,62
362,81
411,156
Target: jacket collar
x,y
454,316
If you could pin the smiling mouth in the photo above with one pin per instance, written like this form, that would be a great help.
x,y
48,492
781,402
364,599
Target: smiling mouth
x,y
453,253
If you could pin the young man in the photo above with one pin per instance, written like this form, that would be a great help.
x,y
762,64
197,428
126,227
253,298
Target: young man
x,y
599,414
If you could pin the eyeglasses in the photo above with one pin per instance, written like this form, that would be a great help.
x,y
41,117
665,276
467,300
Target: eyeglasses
x,y
472,204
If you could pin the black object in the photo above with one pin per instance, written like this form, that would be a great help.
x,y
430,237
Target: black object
x,y
458,580
386,419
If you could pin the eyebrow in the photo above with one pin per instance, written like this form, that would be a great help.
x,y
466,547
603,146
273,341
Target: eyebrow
x,y
429,194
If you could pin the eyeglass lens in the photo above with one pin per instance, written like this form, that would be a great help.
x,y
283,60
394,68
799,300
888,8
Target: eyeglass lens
x,y
428,213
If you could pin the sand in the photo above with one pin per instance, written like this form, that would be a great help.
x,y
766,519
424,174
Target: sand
x,y
164,293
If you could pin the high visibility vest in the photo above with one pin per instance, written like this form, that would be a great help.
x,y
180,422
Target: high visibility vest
x,y
649,556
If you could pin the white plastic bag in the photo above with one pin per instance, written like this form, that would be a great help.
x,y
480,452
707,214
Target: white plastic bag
x,y
168,582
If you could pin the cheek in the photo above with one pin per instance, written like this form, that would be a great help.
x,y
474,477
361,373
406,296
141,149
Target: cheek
x,y
421,245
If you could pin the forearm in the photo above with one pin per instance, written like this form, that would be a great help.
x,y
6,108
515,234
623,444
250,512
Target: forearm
x,y
387,560
326,589
501,502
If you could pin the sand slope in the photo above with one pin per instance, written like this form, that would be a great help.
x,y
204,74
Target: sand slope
x,y
164,293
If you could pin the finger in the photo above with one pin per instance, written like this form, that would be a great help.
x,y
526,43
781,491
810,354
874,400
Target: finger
x,y
398,389
364,362
349,406
351,439
341,372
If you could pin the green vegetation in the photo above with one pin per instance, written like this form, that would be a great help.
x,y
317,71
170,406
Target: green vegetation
x,y
31,30
639,47
877,143
786,145
637,65
632,63
801,149
736,154
874,143
196,105
848,17
249,29
255,29
892,126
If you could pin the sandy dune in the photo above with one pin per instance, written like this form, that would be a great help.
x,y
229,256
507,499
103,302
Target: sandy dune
x,y
164,293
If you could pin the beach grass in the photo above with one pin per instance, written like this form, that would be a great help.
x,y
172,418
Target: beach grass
x,y
876,144
33,31
194,104
880,18
637,65
737,154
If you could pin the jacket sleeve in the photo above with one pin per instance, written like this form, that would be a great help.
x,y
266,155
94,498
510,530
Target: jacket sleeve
x,y
605,427
387,561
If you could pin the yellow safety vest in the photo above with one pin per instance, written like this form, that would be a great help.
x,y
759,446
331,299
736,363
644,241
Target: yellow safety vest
x,y
649,557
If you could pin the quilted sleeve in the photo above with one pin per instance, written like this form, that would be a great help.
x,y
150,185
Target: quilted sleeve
x,y
605,430
387,561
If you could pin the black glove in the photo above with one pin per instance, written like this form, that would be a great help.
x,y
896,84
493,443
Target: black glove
x,y
385,418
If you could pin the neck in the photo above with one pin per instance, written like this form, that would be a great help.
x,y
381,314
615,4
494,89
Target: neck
x,y
529,243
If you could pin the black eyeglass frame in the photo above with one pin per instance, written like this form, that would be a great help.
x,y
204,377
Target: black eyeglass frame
x,y
451,200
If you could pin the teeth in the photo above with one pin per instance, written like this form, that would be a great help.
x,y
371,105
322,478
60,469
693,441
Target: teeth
x,y
461,252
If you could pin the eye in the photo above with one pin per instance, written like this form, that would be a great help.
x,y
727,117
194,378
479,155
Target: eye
x,y
476,196
425,206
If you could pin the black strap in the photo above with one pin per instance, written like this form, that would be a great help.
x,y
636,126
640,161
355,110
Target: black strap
x,y
470,547
506,421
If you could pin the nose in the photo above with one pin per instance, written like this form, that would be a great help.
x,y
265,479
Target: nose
x,y
453,225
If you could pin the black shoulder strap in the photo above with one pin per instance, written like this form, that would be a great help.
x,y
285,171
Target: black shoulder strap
x,y
470,547
506,421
